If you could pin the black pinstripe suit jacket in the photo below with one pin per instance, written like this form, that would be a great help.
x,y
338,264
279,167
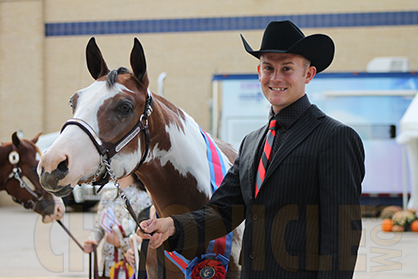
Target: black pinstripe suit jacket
x,y
306,220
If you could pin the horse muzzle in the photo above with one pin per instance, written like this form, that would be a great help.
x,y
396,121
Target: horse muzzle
x,y
50,182
51,212
62,191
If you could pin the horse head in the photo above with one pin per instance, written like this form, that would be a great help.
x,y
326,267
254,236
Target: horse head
x,y
18,162
109,117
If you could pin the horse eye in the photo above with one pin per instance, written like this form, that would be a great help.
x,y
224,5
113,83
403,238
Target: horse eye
x,y
126,109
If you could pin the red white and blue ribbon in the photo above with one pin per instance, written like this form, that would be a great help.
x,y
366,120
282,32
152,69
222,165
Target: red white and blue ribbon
x,y
219,249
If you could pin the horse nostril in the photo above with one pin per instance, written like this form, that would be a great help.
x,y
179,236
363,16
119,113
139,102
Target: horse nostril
x,y
63,166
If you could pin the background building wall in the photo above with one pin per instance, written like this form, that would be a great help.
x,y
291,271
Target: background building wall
x,y
42,47
21,67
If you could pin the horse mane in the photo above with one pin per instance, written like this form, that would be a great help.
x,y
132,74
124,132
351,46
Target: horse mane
x,y
170,106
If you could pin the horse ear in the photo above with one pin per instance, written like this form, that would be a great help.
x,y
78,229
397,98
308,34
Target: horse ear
x,y
138,63
35,139
95,62
15,140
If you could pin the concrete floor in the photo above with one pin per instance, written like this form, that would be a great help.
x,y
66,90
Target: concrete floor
x,y
31,249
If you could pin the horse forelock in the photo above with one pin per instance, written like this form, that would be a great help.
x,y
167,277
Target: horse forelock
x,y
112,77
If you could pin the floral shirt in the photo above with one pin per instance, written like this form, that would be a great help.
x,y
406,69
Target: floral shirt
x,y
139,200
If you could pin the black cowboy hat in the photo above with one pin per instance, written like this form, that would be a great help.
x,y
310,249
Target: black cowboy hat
x,y
286,37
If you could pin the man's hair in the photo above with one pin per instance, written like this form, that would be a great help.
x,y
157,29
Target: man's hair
x,y
306,63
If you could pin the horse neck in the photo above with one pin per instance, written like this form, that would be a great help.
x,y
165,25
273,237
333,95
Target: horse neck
x,y
177,175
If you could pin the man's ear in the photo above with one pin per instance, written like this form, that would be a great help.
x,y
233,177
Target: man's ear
x,y
258,71
310,73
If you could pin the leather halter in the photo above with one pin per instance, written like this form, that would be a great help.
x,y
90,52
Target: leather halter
x,y
106,154
16,174
106,149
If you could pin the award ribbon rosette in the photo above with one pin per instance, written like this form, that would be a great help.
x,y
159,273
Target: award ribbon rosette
x,y
207,266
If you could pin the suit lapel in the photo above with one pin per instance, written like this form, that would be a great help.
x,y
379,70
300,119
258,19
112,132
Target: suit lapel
x,y
303,128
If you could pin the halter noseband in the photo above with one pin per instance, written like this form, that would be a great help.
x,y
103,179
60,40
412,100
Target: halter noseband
x,y
14,159
106,149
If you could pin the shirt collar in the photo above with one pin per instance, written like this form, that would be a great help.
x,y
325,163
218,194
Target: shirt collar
x,y
287,116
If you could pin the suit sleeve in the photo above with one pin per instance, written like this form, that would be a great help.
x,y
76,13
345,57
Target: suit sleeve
x,y
224,212
341,171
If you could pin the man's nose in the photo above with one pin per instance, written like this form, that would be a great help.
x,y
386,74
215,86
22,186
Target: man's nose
x,y
277,76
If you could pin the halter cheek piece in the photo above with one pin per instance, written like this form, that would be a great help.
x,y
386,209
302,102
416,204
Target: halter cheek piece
x,y
14,160
106,149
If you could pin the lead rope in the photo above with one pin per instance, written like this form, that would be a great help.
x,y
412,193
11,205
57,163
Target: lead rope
x,y
141,273
98,171
96,269
96,266
128,205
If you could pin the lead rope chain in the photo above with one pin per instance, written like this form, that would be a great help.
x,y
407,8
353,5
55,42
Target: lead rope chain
x,y
99,170
144,246
128,205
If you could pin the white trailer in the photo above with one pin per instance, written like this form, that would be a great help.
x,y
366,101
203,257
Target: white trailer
x,y
372,103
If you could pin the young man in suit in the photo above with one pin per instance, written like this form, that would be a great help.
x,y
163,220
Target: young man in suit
x,y
299,190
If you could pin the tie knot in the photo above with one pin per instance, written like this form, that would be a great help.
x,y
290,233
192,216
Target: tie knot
x,y
273,124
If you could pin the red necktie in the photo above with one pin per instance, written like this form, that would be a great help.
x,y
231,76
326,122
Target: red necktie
x,y
265,157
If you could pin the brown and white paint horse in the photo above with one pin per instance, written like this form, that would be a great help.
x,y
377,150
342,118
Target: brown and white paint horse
x,y
164,145
18,162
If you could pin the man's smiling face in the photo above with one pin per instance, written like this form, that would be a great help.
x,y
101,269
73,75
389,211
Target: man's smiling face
x,y
283,77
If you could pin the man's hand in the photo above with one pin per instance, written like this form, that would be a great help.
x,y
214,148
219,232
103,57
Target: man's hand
x,y
162,228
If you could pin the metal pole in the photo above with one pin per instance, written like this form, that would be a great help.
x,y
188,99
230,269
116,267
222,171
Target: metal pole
x,y
90,266
215,108
161,79
405,182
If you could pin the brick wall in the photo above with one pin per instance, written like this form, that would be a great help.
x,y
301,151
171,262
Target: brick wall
x,y
38,72
21,68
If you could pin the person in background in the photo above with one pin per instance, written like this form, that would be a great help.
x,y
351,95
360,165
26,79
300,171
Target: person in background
x,y
145,214
296,181
116,236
